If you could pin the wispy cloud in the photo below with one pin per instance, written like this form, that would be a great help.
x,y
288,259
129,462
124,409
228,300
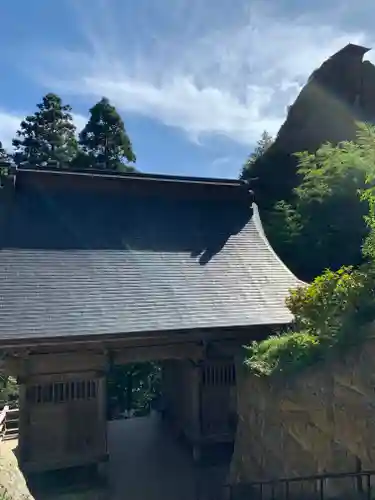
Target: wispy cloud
x,y
9,123
206,69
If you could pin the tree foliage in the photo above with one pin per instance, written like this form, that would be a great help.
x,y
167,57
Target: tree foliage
x,y
261,147
8,390
5,161
4,156
331,313
47,136
324,227
104,140
132,388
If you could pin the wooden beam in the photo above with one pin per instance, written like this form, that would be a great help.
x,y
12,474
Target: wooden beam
x,y
12,366
64,362
157,353
227,347
77,342
46,378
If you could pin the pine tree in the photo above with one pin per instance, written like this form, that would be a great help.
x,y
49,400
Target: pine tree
x,y
4,156
48,136
4,163
104,140
261,147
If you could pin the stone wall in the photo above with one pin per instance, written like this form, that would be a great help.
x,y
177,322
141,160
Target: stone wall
x,y
318,421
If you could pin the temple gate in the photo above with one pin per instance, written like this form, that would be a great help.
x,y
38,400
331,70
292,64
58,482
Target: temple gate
x,y
100,269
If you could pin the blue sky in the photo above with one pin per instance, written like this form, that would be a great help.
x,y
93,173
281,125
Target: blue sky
x,y
196,81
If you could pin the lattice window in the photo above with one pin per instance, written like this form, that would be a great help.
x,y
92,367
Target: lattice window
x,y
61,392
218,374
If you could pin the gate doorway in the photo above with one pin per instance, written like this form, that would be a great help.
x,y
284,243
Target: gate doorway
x,y
133,389
147,461
156,451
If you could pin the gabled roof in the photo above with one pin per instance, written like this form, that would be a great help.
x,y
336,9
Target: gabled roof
x,y
97,255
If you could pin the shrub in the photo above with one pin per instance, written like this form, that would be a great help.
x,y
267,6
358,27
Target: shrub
x,y
328,313
282,353
332,310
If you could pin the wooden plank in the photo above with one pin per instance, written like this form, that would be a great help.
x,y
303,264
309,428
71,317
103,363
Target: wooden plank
x,y
84,360
39,378
66,362
157,353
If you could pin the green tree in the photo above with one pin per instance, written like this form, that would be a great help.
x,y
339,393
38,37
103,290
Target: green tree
x,y
261,147
5,162
336,310
47,136
133,387
104,141
324,227
4,156
331,313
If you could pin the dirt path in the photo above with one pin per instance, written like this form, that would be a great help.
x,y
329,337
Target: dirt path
x,y
11,479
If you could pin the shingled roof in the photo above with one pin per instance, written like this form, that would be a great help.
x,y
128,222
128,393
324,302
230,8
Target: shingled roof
x,y
86,254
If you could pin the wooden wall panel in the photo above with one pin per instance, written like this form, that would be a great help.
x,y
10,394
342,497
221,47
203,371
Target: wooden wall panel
x,y
63,421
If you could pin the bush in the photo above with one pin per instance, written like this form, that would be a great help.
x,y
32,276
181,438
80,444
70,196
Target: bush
x,y
328,313
282,353
332,310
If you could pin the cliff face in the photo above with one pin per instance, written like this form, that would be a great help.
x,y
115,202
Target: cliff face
x,y
339,93
322,420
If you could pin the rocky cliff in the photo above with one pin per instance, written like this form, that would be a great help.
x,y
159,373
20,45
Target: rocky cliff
x,y
339,93
322,420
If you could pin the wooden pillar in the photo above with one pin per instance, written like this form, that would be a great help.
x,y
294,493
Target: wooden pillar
x,y
196,413
102,415
168,389
24,410
196,409
23,423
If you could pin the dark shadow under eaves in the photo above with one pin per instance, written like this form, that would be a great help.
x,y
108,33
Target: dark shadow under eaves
x,y
229,223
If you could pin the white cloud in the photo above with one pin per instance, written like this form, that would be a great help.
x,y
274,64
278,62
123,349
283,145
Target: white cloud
x,y
79,121
10,122
232,75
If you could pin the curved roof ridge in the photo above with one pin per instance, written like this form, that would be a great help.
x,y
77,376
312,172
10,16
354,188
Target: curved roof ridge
x,y
258,224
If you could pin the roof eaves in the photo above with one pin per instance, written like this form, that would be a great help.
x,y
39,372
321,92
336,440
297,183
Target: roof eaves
x,y
132,176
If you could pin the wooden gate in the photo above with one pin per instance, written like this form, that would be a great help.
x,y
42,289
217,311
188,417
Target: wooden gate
x,y
64,422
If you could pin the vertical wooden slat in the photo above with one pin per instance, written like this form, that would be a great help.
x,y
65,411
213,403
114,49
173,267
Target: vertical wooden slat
x,y
286,490
273,491
321,488
24,422
368,489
